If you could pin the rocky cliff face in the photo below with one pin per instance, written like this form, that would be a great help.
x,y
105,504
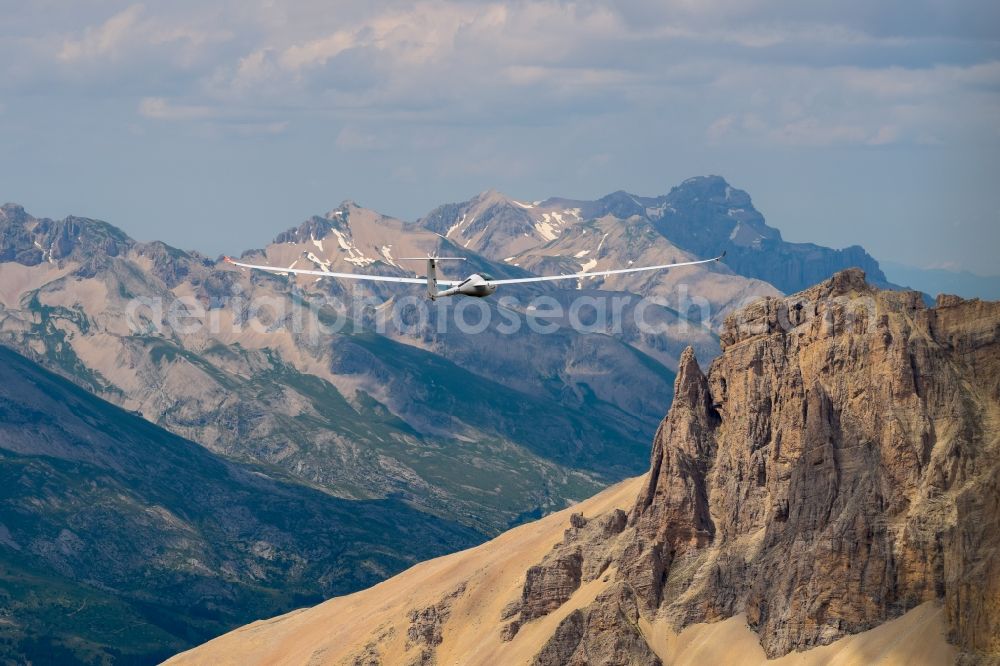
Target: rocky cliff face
x,y
837,466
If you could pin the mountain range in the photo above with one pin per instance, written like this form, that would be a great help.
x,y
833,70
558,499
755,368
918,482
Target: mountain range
x,y
479,432
828,492
702,217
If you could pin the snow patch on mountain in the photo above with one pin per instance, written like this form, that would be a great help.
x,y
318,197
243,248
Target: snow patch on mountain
x,y
457,225
601,244
354,255
323,265
545,228
552,223
657,212
584,267
387,253
342,241
46,254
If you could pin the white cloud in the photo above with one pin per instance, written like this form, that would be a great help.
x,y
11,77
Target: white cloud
x,y
754,70
214,120
105,39
814,132
435,44
158,108
806,131
884,135
851,105
721,127
255,128
317,51
133,31
352,138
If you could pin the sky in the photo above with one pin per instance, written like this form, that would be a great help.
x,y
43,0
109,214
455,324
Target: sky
x,y
215,125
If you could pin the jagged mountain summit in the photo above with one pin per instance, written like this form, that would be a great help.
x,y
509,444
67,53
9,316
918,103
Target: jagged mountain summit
x,y
829,489
703,217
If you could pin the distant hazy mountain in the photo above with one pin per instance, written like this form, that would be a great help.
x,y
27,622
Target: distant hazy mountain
x,y
936,281
703,216
119,540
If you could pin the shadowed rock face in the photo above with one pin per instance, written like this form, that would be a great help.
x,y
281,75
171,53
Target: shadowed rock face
x,y
837,466
607,629
581,558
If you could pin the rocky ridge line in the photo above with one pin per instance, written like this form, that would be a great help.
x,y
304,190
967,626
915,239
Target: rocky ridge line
x,y
836,467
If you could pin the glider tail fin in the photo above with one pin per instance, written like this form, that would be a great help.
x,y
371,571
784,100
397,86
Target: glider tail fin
x,y
432,285
432,281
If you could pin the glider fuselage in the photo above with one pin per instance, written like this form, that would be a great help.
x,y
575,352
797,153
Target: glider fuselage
x,y
476,285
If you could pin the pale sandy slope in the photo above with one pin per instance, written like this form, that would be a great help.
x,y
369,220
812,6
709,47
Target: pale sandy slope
x,y
493,573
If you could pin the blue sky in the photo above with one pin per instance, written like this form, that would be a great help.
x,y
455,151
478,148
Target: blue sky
x,y
215,125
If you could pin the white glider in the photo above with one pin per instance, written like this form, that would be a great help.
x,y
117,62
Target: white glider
x,y
478,285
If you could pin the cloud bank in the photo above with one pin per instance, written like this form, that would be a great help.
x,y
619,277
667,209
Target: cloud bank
x,y
462,91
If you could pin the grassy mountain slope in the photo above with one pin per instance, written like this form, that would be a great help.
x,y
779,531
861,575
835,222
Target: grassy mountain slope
x,y
120,541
